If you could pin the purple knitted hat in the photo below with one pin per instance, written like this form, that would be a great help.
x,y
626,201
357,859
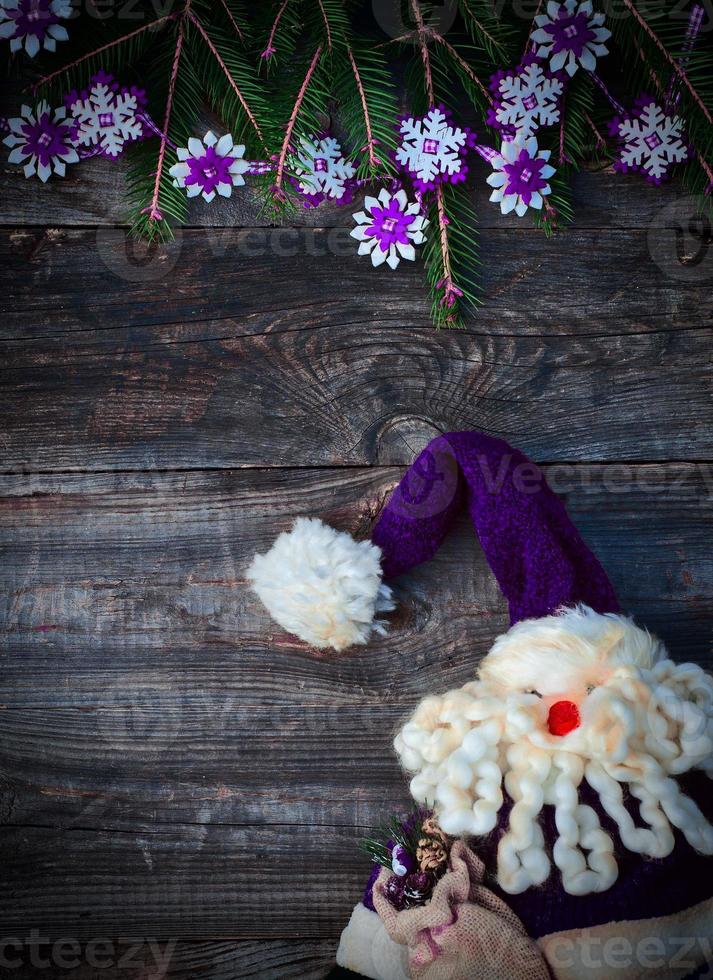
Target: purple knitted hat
x,y
327,589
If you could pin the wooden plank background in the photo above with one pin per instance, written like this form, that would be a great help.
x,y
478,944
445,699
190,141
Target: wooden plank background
x,y
174,767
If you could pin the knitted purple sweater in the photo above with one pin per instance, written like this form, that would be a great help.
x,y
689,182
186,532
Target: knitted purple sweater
x,y
645,888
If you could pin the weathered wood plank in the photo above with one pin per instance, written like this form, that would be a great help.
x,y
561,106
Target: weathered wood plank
x,y
191,760
277,959
195,882
91,286
320,382
347,395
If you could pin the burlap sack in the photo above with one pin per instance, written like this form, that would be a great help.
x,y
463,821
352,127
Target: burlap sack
x,y
465,932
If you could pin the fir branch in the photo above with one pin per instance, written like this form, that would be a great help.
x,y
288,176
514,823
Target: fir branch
x,y
153,211
328,20
327,28
478,31
463,65
649,68
451,256
645,26
562,156
100,50
231,81
233,21
600,142
277,189
450,291
370,146
367,107
422,34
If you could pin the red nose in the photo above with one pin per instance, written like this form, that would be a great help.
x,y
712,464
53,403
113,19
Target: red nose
x,y
563,717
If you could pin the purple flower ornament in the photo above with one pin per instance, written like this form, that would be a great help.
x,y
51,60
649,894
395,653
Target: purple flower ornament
x,y
570,34
41,141
34,24
389,227
520,176
209,166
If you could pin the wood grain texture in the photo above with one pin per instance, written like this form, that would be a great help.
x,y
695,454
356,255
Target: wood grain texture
x,y
201,367
132,959
96,285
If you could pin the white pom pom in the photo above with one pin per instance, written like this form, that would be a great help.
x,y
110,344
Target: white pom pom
x,y
322,585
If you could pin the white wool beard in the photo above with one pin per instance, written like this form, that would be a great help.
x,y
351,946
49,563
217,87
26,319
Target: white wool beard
x,y
640,728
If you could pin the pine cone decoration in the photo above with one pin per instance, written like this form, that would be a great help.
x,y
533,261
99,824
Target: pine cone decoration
x,y
431,829
431,854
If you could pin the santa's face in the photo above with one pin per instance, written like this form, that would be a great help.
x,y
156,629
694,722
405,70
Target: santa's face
x,y
558,700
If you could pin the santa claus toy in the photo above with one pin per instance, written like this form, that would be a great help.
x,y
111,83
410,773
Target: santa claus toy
x,y
575,767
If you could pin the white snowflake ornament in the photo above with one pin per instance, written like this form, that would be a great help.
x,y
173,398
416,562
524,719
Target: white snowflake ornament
x,y
389,227
570,34
106,117
525,99
651,141
322,171
432,150
42,141
520,176
34,24
209,166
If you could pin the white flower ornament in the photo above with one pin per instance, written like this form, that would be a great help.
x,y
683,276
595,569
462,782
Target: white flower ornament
x,y
41,141
209,166
570,34
520,176
34,24
389,227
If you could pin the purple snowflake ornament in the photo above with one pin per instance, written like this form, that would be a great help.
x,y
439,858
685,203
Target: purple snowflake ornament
x,y
570,34
322,172
389,227
520,176
34,24
432,150
42,141
209,166
650,141
525,98
106,117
